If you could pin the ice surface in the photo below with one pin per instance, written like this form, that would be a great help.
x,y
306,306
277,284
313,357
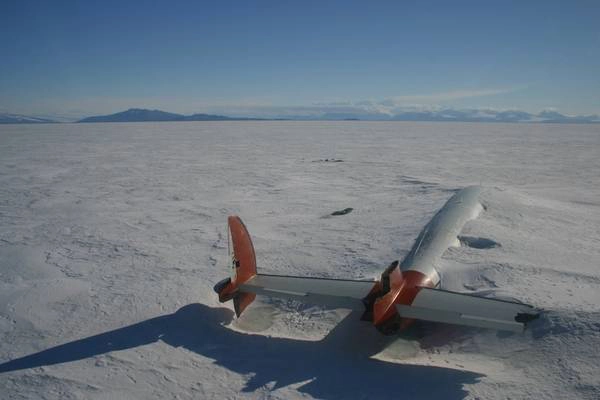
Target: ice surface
x,y
112,236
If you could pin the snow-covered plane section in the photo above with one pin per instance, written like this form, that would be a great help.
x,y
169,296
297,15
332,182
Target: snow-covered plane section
x,y
406,291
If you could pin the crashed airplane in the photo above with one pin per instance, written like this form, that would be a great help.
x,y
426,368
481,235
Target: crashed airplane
x,y
407,291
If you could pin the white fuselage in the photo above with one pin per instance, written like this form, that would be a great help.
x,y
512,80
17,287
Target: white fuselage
x,y
442,232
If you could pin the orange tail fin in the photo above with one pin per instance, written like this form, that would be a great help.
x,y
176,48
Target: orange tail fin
x,y
243,264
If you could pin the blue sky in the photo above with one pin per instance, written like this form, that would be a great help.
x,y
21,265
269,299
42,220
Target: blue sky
x,y
82,57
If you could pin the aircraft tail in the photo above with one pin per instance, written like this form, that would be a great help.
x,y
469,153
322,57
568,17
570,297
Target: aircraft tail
x,y
243,266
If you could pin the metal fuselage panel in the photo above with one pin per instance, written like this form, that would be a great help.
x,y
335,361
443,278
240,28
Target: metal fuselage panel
x,y
442,232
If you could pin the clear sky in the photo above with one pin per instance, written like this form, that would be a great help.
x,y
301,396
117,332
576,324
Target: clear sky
x,y
75,58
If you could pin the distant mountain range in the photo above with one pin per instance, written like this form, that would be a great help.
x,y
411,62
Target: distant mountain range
x,y
143,115
445,115
469,115
442,115
22,119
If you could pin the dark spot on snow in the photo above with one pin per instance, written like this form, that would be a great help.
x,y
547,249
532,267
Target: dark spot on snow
x,y
333,160
343,212
478,242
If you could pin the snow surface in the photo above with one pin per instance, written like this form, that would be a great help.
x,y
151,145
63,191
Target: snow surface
x,y
112,236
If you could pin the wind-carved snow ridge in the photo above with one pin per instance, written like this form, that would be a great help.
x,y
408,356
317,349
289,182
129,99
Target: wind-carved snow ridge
x,y
112,237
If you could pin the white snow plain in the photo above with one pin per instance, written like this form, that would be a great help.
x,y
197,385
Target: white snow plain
x,y
112,236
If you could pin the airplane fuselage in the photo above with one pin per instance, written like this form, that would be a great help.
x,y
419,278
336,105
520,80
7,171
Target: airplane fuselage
x,y
419,268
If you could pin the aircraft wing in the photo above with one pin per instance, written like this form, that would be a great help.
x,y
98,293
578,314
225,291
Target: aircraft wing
x,y
341,293
429,305
464,309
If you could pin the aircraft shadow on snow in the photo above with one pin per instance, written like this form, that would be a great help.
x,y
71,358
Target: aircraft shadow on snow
x,y
336,367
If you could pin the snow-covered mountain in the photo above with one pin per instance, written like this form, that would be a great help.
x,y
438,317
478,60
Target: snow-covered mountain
x,y
334,114
467,115
144,115
22,119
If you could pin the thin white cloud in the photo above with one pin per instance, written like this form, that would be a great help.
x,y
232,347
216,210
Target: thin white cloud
x,y
420,102
450,95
